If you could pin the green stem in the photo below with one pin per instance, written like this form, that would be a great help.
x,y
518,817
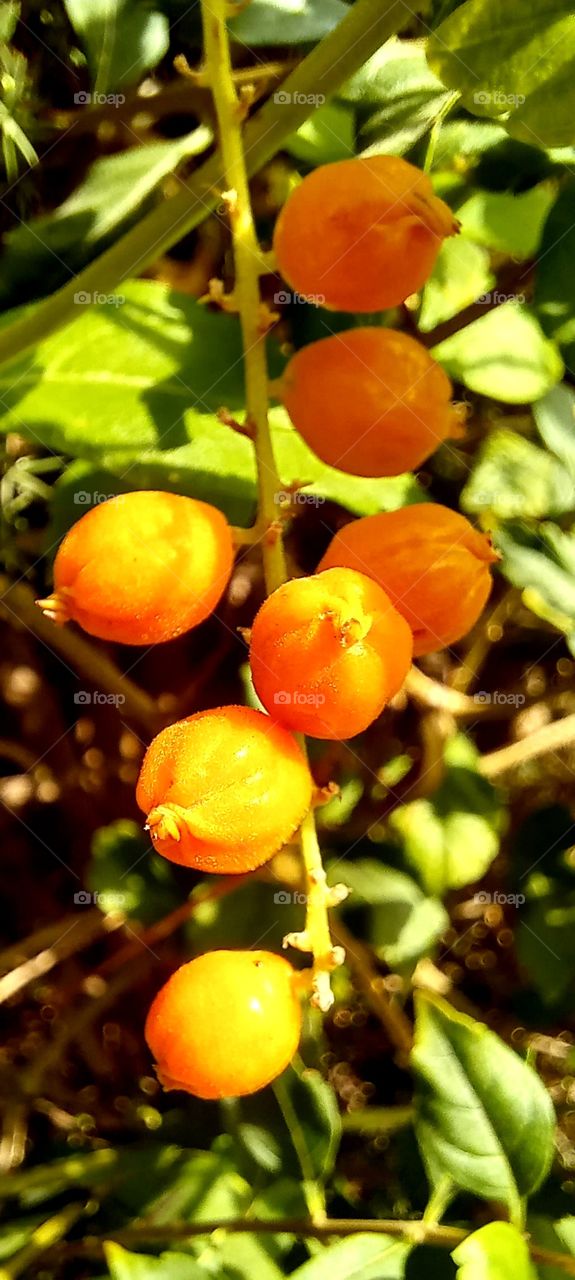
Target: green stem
x,y
415,1232
43,1238
313,1191
247,298
368,24
247,279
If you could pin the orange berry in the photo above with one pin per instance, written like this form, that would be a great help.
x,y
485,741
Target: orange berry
x,y
142,567
369,401
328,652
225,1024
361,234
224,789
431,561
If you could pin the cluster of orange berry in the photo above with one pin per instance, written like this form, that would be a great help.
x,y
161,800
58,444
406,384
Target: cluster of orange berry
x,y
224,789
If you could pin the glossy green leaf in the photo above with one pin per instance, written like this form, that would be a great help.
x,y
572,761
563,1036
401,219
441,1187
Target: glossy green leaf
x,y
135,384
452,838
496,1252
276,22
38,256
121,39
554,297
397,95
513,478
483,1116
310,1111
512,59
404,924
541,561
504,355
510,224
461,275
360,1257
326,136
123,1265
558,1236
125,874
555,420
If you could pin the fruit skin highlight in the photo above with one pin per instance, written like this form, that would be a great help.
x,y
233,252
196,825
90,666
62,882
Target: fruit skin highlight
x,y
142,568
430,560
361,234
224,789
370,401
226,1024
328,652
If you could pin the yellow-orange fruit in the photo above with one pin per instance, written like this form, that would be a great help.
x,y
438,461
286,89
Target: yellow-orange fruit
x,y
328,652
430,560
370,401
361,234
225,1024
142,568
224,789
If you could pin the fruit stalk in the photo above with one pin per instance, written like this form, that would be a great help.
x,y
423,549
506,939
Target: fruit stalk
x,y
247,298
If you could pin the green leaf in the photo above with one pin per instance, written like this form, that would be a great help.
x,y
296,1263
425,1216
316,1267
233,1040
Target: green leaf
x,y
545,940
123,1265
125,874
541,561
461,275
404,923
309,1107
558,1236
483,1117
276,22
510,224
512,59
135,386
401,94
38,256
555,420
504,355
326,136
359,1257
496,1252
452,837
121,39
513,477
554,297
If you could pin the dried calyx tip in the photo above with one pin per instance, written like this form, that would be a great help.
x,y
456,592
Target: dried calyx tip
x,y
55,607
165,822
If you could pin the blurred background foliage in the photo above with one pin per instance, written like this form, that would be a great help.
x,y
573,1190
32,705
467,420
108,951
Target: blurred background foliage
x,y
460,858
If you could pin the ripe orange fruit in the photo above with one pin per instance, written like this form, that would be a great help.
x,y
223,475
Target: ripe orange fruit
x,y
224,789
431,561
328,652
369,401
361,234
225,1024
142,567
